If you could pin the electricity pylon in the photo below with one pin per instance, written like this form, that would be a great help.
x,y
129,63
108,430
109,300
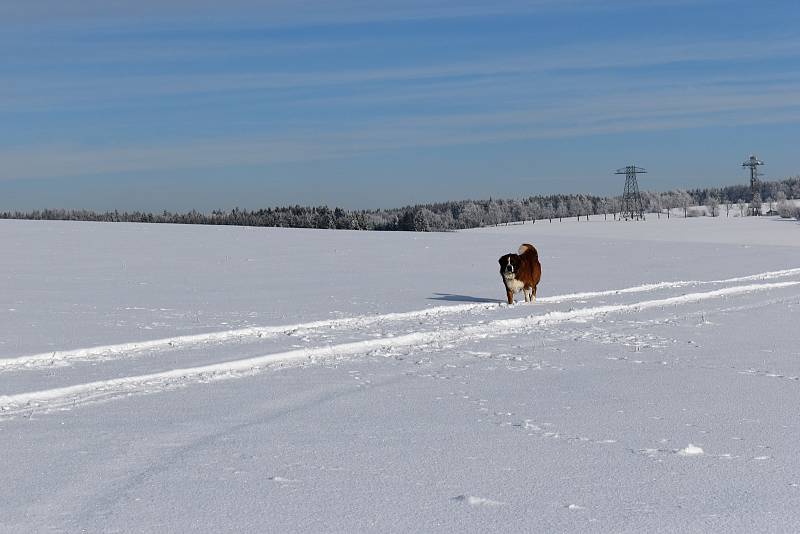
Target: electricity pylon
x,y
632,207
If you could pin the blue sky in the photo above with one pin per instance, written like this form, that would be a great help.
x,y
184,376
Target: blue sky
x,y
179,104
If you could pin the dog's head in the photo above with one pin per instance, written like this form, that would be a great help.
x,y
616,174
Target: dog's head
x,y
509,266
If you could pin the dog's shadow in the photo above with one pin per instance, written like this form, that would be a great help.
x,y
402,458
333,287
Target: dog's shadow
x,y
450,297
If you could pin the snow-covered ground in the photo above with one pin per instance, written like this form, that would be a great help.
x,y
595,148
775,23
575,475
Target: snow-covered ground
x,y
160,378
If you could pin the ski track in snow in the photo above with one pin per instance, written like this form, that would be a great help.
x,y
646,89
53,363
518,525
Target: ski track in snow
x,y
70,396
116,351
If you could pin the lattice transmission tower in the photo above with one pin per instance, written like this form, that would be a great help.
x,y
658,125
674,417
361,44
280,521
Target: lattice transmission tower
x,y
632,207
753,164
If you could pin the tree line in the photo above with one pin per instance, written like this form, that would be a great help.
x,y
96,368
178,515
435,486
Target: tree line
x,y
442,216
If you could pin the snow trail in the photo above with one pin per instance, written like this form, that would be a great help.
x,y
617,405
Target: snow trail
x,y
108,352
69,396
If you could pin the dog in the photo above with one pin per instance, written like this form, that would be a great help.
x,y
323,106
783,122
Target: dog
x,y
521,271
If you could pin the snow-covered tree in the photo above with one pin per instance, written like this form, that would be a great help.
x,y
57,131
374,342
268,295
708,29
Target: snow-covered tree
x,y
712,203
561,211
742,207
785,208
755,205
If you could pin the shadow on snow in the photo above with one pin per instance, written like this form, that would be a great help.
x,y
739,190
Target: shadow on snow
x,y
462,298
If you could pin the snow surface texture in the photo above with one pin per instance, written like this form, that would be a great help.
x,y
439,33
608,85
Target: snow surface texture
x,y
162,378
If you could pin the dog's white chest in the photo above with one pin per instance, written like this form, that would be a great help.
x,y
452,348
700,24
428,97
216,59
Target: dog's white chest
x,y
514,285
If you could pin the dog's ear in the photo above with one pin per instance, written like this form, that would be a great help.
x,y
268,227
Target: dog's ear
x,y
500,261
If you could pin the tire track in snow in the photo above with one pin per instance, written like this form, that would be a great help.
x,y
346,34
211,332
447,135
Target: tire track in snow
x,y
65,397
110,352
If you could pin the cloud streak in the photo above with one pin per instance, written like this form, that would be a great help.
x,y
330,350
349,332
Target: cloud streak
x,y
283,13
34,91
643,114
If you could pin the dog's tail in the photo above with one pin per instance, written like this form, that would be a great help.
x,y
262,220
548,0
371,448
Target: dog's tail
x,y
527,248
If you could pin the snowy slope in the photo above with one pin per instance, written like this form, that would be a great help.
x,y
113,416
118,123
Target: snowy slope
x,y
181,378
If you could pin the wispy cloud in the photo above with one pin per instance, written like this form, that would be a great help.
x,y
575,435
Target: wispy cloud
x,y
649,112
35,90
600,103
278,13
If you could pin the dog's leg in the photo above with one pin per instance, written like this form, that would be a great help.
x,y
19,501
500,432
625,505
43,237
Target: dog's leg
x,y
533,294
510,295
527,295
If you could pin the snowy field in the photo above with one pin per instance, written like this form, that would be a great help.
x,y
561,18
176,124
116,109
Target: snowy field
x,y
158,378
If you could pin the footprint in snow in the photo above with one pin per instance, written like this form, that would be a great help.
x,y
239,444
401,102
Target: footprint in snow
x,y
477,501
690,450
281,479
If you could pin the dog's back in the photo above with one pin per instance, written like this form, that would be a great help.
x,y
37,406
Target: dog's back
x,y
530,265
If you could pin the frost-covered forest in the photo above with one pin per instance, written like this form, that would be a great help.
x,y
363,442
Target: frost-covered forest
x,y
461,214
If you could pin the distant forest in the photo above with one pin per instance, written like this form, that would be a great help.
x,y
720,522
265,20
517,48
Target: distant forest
x,y
442,216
